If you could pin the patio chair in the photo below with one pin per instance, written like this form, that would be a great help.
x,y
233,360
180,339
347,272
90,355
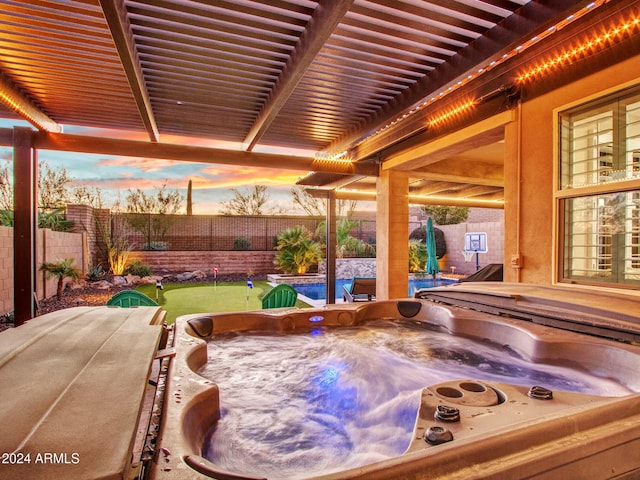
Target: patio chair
x,y
359,290
281,295
130,298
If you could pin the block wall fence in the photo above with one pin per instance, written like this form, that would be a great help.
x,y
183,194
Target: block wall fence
x,y
485,220
82,247
51,247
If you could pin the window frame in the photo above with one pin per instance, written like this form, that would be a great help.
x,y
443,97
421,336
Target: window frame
x,y
562,194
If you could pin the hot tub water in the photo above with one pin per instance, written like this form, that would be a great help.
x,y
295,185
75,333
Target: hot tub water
x,y
295,406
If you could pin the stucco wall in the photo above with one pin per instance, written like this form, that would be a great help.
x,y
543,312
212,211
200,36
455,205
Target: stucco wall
x,y
454,237
531,232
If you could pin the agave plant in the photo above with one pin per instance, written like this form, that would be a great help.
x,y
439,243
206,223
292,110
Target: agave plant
x,y
61,270
296,251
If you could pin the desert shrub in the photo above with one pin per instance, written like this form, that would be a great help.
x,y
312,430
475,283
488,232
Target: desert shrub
x,y
138,269
154,247
418,256
241,244
420,233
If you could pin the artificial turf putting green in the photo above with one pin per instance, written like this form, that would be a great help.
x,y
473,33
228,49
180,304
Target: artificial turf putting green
x,y
183,299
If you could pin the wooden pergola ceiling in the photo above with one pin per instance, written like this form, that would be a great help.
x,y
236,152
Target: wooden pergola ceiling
x,y
320,76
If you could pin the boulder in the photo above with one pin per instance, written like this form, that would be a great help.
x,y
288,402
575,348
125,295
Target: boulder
x,y
119,281
184,277
76,284
151,279
101,285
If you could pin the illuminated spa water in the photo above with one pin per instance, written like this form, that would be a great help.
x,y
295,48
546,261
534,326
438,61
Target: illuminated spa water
x,y
300,405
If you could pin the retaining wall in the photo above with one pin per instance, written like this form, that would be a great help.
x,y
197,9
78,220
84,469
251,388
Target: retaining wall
x,y
234,262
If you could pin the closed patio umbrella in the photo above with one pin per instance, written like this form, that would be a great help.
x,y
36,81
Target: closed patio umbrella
x,y
432,262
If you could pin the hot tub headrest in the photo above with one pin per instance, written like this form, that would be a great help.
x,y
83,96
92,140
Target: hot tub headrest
x,y
202,326
408,308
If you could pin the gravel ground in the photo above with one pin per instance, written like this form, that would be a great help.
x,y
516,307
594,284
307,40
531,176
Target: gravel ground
x,y
77,297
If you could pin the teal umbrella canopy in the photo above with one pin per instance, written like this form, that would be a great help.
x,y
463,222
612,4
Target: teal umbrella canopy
x,y
432,261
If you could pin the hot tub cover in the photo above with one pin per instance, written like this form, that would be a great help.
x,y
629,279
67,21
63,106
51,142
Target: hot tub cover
x,y
72,388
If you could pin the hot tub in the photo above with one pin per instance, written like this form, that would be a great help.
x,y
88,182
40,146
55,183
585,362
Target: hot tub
x,y
464,428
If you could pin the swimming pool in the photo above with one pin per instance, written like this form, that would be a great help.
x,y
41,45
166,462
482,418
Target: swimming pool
x,y
317,291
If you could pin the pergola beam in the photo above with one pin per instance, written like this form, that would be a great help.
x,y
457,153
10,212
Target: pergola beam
x,y
475,136
413,199
115,13
187,153
13,98
326,17
435,187
476,173
478,190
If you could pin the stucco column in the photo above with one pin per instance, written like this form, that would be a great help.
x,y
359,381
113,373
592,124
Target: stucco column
x,y
392,235
512,189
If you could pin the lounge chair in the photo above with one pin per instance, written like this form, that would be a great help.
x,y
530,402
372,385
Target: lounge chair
x,y
280,296
360,289
130,298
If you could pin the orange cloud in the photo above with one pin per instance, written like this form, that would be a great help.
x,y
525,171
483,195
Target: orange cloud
x,y
186,140
144,164
232,177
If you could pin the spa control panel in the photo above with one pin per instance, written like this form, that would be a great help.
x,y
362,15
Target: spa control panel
x,y
463,411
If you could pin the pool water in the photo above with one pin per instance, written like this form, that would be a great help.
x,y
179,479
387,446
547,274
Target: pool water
x,y
317,291
299,405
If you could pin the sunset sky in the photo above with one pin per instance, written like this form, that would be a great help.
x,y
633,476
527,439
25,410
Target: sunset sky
x,y
211,183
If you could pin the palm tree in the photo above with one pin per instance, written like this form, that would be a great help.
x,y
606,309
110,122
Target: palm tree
x,y
345,243
296,251
61,270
